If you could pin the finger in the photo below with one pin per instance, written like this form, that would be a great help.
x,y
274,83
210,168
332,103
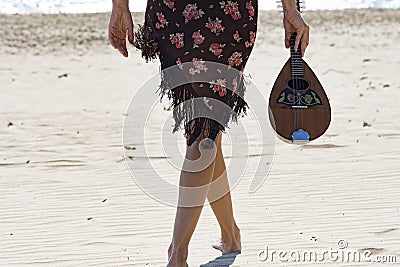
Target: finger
x,y
123,51
111,39
304,42
287,39
115,40
123,44
122,47
287,32
130,35
288,35
298,39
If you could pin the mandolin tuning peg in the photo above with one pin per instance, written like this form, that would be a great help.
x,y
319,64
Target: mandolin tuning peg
x,y
302,4
302,8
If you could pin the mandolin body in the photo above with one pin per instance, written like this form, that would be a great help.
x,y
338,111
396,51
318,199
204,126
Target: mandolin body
x,y
298,105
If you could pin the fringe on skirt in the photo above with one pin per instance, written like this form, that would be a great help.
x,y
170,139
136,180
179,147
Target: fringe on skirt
x,y
199,127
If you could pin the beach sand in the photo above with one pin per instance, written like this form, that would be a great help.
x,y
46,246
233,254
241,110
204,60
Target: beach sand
x,y
67,198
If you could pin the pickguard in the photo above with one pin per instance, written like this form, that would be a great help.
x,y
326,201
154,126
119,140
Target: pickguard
x,y
292,97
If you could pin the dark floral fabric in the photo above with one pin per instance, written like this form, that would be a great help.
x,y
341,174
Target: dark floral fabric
x,y
199,32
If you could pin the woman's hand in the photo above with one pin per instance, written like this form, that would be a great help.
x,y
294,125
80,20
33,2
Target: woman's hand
x,y
120,26
294,22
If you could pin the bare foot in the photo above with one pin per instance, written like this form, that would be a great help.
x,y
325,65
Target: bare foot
x,y
229,245
226,248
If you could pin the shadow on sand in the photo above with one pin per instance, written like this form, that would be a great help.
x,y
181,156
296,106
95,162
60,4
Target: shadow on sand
x,y
225,260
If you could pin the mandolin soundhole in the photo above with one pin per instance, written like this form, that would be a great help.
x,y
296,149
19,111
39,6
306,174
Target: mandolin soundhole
x,y
298,84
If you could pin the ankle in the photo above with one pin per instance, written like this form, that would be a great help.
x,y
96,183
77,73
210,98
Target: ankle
x,y
231,233
178,252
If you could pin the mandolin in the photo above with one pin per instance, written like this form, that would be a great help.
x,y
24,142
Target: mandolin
x,y
299,109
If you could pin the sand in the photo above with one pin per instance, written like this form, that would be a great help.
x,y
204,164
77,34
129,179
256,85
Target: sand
x,y
67,198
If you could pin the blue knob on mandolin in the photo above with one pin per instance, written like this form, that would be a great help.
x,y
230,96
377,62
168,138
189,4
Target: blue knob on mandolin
x,y
300,136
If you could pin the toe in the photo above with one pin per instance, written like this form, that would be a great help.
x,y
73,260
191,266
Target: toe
x,y
219,245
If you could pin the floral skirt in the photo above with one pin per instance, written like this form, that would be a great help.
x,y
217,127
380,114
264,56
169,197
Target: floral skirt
x,y
190,36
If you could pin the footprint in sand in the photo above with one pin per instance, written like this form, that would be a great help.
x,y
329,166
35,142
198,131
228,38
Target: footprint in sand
x,y
372,250
386,231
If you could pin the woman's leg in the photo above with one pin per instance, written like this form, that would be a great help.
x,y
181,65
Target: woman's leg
x,y
220,199
197,172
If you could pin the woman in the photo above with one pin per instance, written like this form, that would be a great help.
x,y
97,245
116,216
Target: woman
x,y
193,35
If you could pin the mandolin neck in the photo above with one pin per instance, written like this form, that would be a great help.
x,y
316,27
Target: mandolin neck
x,y
296,61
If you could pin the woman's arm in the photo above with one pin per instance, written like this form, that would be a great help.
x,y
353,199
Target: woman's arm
x,y
120,26
121,3
294,22
289,5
